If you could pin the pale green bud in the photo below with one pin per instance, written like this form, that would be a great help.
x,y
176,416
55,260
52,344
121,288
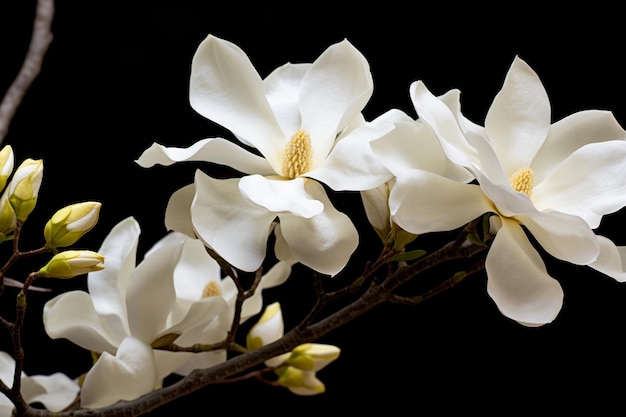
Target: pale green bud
x,y
70,223
300,382
312,356
71,263
268,329
8,220
23,189
7,161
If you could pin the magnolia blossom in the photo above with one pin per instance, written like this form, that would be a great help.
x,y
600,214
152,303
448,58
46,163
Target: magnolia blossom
x,y
305,124
55,391
129,310
556,180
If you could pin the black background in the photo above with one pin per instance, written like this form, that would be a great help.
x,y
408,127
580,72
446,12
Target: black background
x,y
115,80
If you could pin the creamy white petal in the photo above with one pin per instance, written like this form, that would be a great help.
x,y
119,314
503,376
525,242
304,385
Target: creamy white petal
x,y
564,236
517,279
125,376
352,165
323,242
58,391
590,183
107,287
334,90
195,270
280,196
71,316
282,89
151,296
178,210
213,150
7,367
225,88
422,202
518,120
436,114
570,134
225,220
612,259
201,360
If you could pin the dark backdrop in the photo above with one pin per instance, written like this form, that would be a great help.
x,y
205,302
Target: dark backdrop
x,y
116,79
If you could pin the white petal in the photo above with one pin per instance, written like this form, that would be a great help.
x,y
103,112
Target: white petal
x,y
71,316
351,164
590,183
333,92
125,376
564,236
517,279
282,89
108,286
570,134
151,295
59,391
324,242
519,117
280,196
178,211
612,259
225,88
195,270
214,150
229,223
422,202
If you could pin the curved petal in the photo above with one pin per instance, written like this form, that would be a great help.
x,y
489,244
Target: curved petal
x,y
612,259
280,196
151,295
564,236
519,117
108,286
58,391
178,210
282,90
517,279
228,222
336,88
125,376
225,88
436,114
195,270
213,150
422,202
589,184
571,133
71,316
352,165
324,242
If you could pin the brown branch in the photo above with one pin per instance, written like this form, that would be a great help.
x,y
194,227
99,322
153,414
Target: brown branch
x,y
41,38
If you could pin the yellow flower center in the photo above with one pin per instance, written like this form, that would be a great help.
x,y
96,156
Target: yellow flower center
x,y
522,181
298,155
212,289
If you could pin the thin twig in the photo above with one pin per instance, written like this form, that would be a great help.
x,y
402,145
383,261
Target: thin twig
x,y
41,38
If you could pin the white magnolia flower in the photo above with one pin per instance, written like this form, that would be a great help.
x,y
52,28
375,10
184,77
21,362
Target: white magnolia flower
x,y
55,391
129,308
305,122
557,180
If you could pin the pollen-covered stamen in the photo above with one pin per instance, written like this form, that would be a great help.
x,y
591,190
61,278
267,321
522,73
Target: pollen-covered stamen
x,y
212,289
522,181
298,155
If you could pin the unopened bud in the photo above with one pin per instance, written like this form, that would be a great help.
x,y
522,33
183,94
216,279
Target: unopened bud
x,y
6,165
268,329
300,382
312,356
23,189
71,263
70,223
8,220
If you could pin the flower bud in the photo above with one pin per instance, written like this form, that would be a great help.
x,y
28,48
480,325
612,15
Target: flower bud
x,y
71,263
300,382
23,189
312,356
375,203
6,165
268,329
8,220
70,223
